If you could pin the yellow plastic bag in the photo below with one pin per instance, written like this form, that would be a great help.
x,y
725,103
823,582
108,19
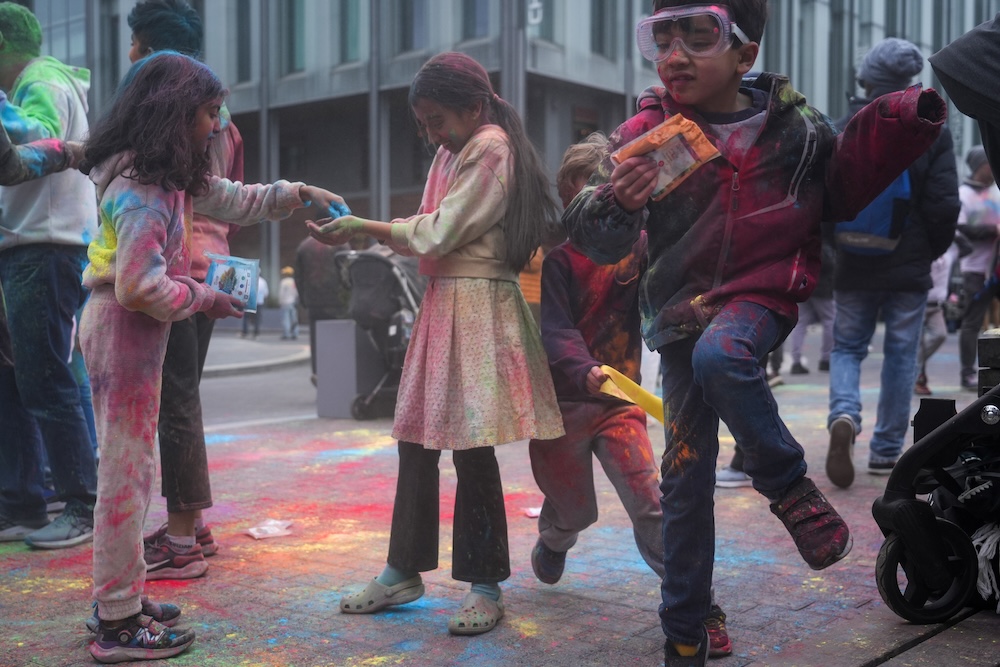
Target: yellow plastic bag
x,y
622,387
677,145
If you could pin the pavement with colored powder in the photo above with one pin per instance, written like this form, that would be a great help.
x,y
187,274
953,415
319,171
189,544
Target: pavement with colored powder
x,y
274,602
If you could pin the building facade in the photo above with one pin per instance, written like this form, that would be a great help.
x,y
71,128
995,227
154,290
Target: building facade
x,y
318,87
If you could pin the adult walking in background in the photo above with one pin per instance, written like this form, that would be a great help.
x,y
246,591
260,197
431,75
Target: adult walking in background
x,y
979,223
894,284
44,232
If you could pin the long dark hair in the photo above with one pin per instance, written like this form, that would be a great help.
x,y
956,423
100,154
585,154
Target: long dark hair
x,y
458,82
152,116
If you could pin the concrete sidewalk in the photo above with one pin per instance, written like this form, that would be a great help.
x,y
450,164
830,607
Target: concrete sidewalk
x,y
275,602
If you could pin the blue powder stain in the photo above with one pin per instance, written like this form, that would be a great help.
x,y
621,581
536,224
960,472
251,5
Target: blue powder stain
x,y
219,439
353,453
272,640
409,646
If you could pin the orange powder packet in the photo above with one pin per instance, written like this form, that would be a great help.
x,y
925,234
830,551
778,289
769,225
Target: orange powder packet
x,y
677,145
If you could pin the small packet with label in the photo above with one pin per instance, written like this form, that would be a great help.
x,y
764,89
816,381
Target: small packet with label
x,y
270,528
677,145
236,276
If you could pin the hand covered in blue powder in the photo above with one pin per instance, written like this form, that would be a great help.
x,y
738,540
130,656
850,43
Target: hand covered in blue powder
x,y
339,210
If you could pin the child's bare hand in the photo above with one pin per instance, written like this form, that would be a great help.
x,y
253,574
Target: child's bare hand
x,y
74,154
225,305
595,378
336,231
319,197
633,181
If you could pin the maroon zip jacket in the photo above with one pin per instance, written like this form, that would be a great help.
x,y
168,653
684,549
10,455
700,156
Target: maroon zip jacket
x,y
750,230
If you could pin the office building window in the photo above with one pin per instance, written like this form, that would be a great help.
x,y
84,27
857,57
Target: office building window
x,y
602,27
411,16
64,30
293,28
475,18
542,19
243,39
349,31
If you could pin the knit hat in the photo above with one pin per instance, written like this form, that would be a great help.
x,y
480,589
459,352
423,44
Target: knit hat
x,y
890,65
288,271
976,158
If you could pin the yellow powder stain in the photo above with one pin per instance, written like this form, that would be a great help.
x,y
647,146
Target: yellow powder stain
x,y
524,627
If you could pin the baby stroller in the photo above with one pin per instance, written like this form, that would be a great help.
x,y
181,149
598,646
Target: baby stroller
x,y
940,552
386,290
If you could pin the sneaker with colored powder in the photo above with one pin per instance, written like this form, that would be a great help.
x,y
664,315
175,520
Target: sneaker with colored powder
x,y
163,561
203,536
74,526
138,638
719,644
819,532
15,531
162,612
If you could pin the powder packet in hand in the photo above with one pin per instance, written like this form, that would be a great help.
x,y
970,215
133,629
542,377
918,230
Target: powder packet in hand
x,y
236,276
677,145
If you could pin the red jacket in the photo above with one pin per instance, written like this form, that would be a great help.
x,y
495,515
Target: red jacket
x,y
751,231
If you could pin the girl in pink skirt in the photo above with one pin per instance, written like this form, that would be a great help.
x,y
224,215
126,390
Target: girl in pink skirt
x,y
475,374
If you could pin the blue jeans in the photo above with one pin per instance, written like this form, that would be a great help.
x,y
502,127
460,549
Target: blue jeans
x,y
853,328
42,287
718,375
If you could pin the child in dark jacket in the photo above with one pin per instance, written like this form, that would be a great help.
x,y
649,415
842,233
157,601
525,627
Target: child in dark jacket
x,y
590,318
732,250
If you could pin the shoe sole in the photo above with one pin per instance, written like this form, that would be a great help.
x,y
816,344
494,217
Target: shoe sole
x,y
60,544
838,557
839,467
119,654
190,571
885,472
734,485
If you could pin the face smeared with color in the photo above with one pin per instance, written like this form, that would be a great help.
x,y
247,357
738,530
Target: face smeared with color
x,y
446,127
206,125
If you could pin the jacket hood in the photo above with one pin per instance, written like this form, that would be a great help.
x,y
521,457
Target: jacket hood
x,y
109,170
47,68
781,95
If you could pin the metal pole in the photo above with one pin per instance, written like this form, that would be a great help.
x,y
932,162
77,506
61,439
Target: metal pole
x,y
513,43
269,239
378,170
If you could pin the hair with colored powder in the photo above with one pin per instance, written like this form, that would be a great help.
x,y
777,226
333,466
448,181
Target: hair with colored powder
x,y
22,34
457,82
167,25
581,159
749,15
152,115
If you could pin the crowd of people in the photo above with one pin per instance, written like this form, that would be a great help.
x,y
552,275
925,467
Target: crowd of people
x,y
711,263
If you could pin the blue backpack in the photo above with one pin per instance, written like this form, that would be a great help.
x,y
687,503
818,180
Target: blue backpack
x,y
880,225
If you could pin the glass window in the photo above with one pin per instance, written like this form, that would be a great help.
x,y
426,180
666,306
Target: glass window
x,y
412,22
243,39
349,31
293,47
64,26
541,19
602,28
475,19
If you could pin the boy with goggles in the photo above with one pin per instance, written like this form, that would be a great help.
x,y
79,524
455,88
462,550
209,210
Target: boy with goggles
x,y
732,250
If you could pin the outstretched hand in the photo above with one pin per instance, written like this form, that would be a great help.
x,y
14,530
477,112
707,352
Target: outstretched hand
x,y
335,231
74,154
595,378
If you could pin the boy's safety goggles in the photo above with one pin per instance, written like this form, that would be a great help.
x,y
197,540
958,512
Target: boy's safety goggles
x,y
703,31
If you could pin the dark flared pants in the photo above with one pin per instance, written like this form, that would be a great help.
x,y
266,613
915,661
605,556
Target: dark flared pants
x,y
480,551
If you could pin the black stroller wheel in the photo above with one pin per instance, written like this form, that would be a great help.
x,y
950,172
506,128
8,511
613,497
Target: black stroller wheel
x,y
908,596
359,409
